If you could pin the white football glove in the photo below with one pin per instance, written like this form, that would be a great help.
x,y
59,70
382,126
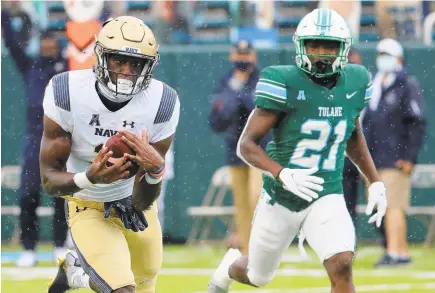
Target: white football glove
x,y
377,197
301,183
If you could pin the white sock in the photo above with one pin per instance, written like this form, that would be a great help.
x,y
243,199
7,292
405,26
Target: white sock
x,y
220,276
85,281
80,279
403,256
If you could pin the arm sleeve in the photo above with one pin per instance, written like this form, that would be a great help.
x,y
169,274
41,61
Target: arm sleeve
x,y
54,110
369,89
414,119
162,130
271,92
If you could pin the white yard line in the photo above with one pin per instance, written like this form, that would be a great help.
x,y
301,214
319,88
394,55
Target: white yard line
x,y
47,272
363,288
28,273
314,273
368,251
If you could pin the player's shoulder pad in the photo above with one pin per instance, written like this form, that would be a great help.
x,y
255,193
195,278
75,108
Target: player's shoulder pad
x,y
359,74
167,105
359,78
60,83
279,74
271,71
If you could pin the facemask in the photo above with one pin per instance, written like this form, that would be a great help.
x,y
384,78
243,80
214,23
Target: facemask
x,y
125,86
119,98
322,66
242,65
386,63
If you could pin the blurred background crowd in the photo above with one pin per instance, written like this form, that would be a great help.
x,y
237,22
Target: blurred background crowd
x,y
216,86
222,22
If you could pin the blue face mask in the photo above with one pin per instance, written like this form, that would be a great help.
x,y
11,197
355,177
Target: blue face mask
x,y
386,63
242,65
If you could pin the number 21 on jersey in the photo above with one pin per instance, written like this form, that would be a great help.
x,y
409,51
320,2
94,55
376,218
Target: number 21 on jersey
x,y
325,130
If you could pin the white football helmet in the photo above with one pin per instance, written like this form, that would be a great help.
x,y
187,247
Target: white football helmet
x,y
322,24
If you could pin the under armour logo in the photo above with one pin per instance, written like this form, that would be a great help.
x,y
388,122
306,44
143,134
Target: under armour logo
x,y
131,124
95,120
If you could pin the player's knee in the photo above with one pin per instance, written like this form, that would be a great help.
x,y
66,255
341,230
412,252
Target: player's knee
x,y
344,271
128,289
259,280
339,266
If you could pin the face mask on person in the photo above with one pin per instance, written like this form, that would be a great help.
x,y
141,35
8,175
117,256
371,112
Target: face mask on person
x,y
386,63
242,65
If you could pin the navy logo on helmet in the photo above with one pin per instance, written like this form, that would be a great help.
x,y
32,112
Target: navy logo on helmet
x,y
130,49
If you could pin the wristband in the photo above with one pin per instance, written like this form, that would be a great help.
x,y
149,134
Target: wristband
x,y
152,180
159,173
82,181
156,177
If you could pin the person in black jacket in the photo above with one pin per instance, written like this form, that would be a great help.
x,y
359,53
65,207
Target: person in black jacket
x,y
394,127
232,102
36,73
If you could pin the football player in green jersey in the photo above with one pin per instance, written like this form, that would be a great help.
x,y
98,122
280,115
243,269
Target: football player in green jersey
x,y
313,112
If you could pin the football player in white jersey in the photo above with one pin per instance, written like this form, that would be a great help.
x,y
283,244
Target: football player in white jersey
x,y
111,212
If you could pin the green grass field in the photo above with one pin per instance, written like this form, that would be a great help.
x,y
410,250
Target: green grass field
x,y
187,270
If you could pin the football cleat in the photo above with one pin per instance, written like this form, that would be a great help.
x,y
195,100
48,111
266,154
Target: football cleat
x,y
69,267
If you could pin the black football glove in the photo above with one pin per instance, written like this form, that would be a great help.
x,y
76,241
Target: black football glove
x,y
130,217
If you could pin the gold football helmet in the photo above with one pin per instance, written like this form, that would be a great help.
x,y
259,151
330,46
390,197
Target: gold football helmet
x,y
125,42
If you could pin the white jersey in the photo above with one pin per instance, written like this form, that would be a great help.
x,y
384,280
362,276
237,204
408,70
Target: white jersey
x,y
72,101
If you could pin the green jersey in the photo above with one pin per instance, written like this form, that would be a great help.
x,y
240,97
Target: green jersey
x,y
316,127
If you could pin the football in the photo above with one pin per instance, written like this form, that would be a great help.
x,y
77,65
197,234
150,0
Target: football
x,y
119,148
